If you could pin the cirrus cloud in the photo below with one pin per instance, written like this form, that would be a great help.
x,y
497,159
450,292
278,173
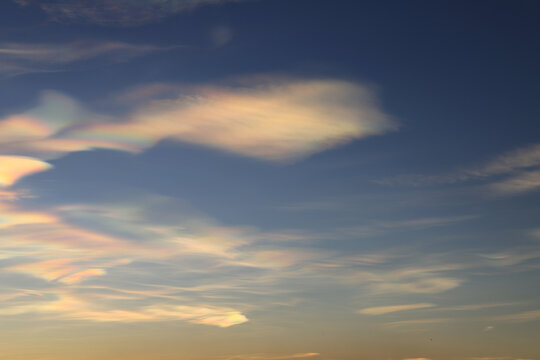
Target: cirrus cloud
x,y
120,13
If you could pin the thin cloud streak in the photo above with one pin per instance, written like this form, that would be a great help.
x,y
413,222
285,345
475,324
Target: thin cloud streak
x,y
521,183
22,58
381,310
274,357
114,12
520,165
527,316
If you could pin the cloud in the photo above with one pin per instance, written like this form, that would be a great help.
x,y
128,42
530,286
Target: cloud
x,y
221,35
520,166
488,328
475,307
384,227
274,357
115,12
418,279
511,257
523,182
14,168
418,322
73,307
275,120
380,310
417,359
527,316
270,119
21,58
497,358
125,265
430,285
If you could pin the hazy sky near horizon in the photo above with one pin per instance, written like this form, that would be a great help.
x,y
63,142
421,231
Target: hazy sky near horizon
x,y
269,180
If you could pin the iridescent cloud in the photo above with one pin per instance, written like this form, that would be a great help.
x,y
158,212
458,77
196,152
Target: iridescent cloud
x,y
380,310
13,168
272,119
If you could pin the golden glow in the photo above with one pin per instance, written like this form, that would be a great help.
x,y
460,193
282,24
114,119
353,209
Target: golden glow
x,y
13,168
379,310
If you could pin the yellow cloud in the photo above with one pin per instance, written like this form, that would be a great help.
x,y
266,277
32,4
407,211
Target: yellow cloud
x,y
69,305
13,168
274,357
380,310
11,216
82,275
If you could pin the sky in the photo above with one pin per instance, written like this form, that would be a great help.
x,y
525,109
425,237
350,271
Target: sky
x,y
269,180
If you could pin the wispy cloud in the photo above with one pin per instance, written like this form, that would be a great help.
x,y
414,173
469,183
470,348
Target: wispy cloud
x,y
520,183
100,274
418,322
310,355
380,310
527,316
520,167
476,307
21,58
69,306
384,227
497,358
114,12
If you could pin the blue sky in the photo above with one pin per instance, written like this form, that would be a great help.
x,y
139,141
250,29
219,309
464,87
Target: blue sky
x,y
269,180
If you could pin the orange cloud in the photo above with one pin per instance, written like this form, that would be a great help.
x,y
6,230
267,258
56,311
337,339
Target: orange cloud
x,y
64,270
11,216
82,275
13,168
